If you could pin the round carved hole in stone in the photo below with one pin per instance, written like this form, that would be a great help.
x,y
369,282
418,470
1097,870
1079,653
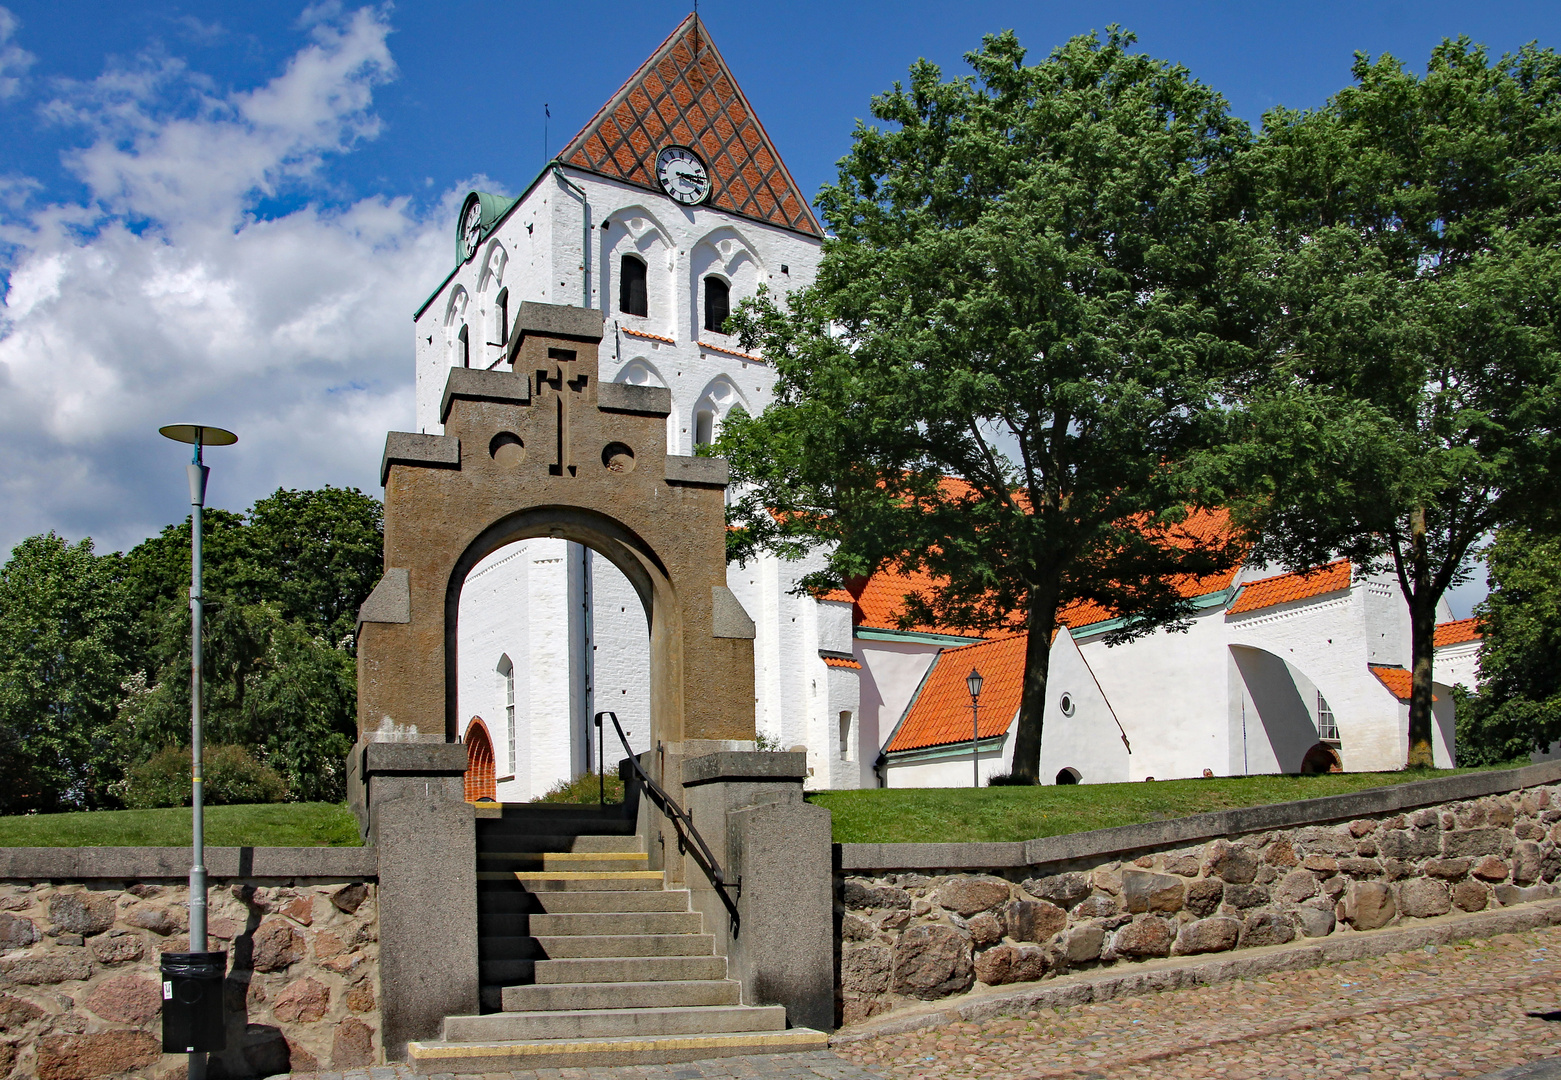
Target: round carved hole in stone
x,y
617,457
507,449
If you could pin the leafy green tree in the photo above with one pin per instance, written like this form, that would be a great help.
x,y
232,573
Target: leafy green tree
x,y
1410,304
1017,339
64,640
1518,707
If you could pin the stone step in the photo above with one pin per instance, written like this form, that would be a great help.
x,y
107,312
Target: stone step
x,y
586,946
629,969
506,972
493,904
428,1058
495,840
565,902
617,923
584,881
569,997
567,862
510,947
600,1023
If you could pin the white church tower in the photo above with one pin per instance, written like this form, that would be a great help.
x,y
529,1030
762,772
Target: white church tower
x,y
670,207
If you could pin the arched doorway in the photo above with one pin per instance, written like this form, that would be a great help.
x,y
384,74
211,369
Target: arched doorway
x,y
1320,759
479,763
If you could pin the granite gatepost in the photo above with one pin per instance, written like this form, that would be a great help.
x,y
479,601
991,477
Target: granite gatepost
x,y
775,849
425,832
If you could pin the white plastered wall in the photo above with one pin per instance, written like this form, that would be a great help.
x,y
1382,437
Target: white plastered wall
x,y
1090,740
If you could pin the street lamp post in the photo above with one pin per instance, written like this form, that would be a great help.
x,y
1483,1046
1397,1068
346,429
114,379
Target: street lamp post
x,y
973,682
199,436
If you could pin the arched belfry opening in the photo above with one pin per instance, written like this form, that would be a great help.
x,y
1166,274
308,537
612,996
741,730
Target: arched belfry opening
x,y
544,448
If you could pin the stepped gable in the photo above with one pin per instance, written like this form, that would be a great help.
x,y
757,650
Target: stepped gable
x,y
685,95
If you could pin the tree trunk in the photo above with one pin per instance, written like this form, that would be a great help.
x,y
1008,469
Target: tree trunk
x,y
1422,648
1040,621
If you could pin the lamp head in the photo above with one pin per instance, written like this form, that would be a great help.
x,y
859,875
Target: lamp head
x,y
973,681
191,433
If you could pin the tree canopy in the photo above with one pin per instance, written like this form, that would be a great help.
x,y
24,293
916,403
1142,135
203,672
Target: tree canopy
x,y
1409,308
1018,337
94,649
1518,708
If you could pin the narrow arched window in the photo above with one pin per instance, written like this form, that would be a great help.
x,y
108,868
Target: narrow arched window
x,y
507,673
704,427
501,317
718,304
463,347
632,298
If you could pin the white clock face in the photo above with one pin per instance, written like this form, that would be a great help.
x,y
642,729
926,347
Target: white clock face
x,y
683,176
471,228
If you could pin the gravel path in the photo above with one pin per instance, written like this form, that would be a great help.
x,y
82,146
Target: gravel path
x,y
1463,1010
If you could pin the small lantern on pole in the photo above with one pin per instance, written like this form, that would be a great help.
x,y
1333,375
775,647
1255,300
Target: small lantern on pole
x,y
973,681
192,981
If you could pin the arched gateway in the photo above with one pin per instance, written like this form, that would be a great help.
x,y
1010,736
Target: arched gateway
x,y
542,448
545,449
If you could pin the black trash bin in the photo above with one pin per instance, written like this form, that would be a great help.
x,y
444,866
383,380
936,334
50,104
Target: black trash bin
x,y
192,1002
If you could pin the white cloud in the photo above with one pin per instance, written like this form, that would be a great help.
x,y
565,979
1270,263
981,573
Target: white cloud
x,y
14,60
162,298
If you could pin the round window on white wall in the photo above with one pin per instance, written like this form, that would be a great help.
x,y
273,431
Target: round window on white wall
x,y
1065,703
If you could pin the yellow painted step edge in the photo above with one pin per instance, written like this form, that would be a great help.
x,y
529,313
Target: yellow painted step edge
x,y
585,875
806,1037
566,856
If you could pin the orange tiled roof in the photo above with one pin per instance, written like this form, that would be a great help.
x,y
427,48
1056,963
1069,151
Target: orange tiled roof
x,y
728,350
840,661
1458,631
685,95
1284,588
879,600
1201,526
641,333
1396,679
940,715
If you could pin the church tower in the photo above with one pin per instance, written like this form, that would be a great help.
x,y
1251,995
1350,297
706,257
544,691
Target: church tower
x,y
668,208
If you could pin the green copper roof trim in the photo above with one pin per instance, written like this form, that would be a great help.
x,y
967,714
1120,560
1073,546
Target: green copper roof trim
x,y
944,751
418,314
873,633
1199,603
494,210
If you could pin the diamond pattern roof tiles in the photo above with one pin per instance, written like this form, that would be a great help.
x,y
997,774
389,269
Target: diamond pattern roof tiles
x,y
686,95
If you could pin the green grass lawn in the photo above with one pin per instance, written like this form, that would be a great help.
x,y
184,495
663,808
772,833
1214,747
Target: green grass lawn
x,y
963,815
259,825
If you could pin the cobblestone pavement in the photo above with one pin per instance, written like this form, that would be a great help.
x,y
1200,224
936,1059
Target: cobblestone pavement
x,y
1464,1010
815,1065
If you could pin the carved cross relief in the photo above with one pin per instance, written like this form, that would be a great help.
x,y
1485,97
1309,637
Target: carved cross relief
x,y
561,377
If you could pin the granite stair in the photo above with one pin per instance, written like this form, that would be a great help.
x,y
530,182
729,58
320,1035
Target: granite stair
x,y
588,958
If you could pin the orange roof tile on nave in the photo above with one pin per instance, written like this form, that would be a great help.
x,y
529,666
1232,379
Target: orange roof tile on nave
x,y
1457,632
1284,588
1396,679
685,95
941,713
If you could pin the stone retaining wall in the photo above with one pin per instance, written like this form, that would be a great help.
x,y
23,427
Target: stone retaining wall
x,y
921,932
80,990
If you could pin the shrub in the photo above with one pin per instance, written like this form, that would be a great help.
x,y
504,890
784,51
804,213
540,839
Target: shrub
x,y
232,776
583,789
1003,779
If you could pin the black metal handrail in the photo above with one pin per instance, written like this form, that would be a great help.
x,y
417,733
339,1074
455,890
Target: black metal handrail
x,y
689,840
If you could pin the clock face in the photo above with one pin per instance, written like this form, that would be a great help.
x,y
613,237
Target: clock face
x,y
471,227
683,176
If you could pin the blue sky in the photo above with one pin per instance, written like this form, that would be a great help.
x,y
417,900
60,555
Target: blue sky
x,y
229,210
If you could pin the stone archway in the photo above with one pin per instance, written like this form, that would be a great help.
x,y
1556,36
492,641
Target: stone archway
x,y
546,449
